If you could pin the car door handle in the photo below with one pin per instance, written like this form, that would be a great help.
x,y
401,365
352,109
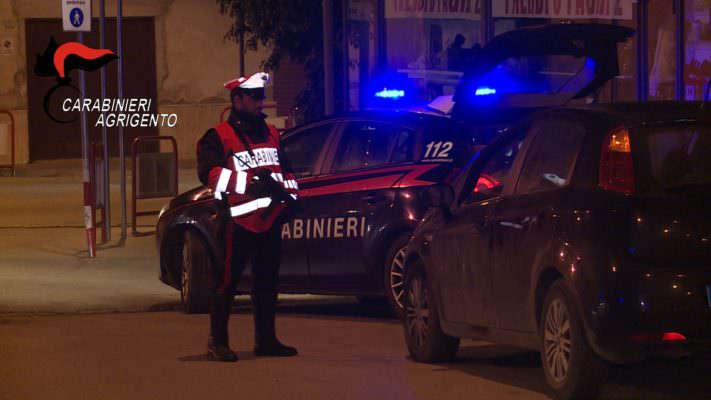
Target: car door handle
x,y
373,198
509,224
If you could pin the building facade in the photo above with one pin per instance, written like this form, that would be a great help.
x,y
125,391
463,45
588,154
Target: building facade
x,y
427,41
175,53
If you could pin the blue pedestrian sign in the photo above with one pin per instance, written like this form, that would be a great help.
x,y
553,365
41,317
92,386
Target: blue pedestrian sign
x,y
76,15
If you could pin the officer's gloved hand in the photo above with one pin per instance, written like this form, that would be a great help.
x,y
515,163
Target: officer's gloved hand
x,y
257,187
292,209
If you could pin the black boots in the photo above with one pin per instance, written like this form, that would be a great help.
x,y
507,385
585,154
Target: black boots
x,y
218,348
218,352
265,340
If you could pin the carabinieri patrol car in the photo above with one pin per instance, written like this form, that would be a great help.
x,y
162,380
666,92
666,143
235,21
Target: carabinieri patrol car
x,y
363,179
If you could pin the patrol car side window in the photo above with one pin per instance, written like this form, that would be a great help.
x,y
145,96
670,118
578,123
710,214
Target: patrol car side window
x,y
550,161
404,145
364,144
490,181
303,149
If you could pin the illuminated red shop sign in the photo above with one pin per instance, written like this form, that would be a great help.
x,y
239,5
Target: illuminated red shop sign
x,y
434,9
563,9
471,9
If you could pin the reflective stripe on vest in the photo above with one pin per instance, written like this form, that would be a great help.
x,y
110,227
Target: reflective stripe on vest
x,y
223,180
241,184
250,206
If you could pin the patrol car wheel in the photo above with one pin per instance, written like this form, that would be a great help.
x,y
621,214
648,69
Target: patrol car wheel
x,y
572,369
194,295
425,339
394,274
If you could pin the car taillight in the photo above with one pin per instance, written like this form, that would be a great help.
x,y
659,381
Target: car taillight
x,y
672,337
616,171
656,337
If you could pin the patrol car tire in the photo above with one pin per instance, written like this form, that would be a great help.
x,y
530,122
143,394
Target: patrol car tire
x,y
426,342
393,275
571,367
195,267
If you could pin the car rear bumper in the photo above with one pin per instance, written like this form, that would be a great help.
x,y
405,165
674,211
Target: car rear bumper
x,y
652,312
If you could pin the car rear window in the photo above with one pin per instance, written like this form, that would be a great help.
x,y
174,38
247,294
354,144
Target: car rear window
x,y
673,158
551,73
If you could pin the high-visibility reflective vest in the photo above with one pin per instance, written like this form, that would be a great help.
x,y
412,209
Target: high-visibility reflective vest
x,y
233,179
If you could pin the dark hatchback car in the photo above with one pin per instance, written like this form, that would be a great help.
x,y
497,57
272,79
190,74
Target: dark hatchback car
x,y
584,233
360,176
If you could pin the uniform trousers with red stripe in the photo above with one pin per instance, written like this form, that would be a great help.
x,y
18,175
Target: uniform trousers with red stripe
x,y
243,246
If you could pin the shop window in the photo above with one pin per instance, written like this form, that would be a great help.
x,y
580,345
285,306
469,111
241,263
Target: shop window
x,y
697,60
514,15
361,49
626,81
662,50
430,44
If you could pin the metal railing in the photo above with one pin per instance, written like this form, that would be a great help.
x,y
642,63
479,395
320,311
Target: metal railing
x,y
137,194
11,165
98,200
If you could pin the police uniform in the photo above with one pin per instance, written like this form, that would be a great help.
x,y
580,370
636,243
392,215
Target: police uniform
x,y
237,158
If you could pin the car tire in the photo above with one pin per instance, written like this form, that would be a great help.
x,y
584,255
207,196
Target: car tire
x,y
394,274
425,339
571,367
195,275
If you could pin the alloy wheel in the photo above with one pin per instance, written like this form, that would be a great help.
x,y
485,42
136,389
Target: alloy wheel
x,y
417,313
557,341
397,270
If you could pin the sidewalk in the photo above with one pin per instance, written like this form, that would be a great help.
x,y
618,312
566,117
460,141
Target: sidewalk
x,y
71,168
44,264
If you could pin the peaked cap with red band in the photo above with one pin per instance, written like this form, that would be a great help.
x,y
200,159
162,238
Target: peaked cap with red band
x,y
253,85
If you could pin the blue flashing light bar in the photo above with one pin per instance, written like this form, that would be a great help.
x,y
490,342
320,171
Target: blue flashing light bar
x,y
390,93
484,91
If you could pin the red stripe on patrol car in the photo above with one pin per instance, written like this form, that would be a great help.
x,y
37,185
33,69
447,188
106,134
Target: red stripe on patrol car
x,y
366,180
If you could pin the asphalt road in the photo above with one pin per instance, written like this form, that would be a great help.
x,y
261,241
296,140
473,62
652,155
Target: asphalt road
x,y
347,352
105,328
